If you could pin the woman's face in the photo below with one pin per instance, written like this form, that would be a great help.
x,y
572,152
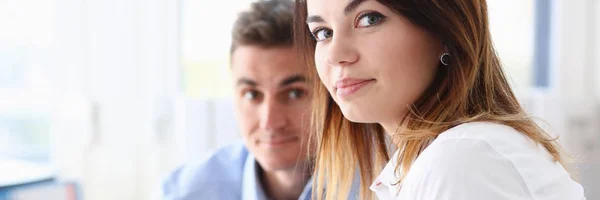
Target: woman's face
x,y
373,61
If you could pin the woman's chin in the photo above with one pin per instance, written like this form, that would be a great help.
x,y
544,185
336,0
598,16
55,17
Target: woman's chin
x,y
357,117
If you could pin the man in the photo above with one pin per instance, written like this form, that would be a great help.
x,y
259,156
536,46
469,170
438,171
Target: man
x,y
272,107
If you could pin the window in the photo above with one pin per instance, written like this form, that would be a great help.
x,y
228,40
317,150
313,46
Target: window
x,y
207,87
26,85
206,38
513,29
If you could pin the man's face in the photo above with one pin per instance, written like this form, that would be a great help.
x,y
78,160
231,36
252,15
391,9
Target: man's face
x,y
272,104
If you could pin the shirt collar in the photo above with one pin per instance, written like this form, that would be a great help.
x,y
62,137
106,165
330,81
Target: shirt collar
x,y
252,188
307,192
387,183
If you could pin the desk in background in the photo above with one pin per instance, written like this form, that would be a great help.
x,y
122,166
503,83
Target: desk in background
x,y
22,180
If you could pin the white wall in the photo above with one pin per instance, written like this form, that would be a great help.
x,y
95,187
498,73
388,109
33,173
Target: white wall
x,y
125,55
575,64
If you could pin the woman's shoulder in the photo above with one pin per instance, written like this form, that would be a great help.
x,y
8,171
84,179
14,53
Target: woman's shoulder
x,y
485,131
481,143
481,155
499,138
478,141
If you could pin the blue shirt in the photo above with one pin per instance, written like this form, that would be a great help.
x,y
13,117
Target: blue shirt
x,y
231,173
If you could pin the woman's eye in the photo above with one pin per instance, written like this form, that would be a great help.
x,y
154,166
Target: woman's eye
x,y
322,34
296,94
369,19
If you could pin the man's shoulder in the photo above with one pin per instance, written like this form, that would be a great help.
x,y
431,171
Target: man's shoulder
x,y
222,167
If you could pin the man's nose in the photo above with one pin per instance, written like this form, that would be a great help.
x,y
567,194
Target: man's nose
x,y
273,116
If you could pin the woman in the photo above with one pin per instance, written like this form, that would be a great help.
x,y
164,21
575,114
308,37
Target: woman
x,y
426,73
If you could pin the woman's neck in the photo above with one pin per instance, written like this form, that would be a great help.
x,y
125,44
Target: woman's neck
x,y
392,127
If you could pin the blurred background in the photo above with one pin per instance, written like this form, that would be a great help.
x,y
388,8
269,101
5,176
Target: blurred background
x,y
100,99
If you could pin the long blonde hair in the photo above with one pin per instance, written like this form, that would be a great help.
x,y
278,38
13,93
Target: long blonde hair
x,y
472,88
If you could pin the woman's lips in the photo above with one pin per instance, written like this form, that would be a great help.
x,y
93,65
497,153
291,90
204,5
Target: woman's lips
x,y
348,86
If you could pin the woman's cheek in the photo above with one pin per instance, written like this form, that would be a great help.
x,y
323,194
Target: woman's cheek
x,y
321,65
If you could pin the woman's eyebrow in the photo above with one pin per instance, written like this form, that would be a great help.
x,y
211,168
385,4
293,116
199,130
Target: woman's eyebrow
x,y
314,19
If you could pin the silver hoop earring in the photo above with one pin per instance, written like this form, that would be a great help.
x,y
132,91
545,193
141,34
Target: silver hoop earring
x,y
445,59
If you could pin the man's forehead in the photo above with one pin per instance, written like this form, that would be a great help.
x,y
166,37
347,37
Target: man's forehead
x,y
259,54
265,66
267,74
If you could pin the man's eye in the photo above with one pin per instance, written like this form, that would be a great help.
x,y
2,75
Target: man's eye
x,y
250,95
296,94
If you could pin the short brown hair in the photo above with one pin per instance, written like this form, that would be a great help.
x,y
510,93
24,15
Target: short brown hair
x,y
268,23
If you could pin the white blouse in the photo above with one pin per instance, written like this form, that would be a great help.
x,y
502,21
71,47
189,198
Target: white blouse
x,y
479,160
